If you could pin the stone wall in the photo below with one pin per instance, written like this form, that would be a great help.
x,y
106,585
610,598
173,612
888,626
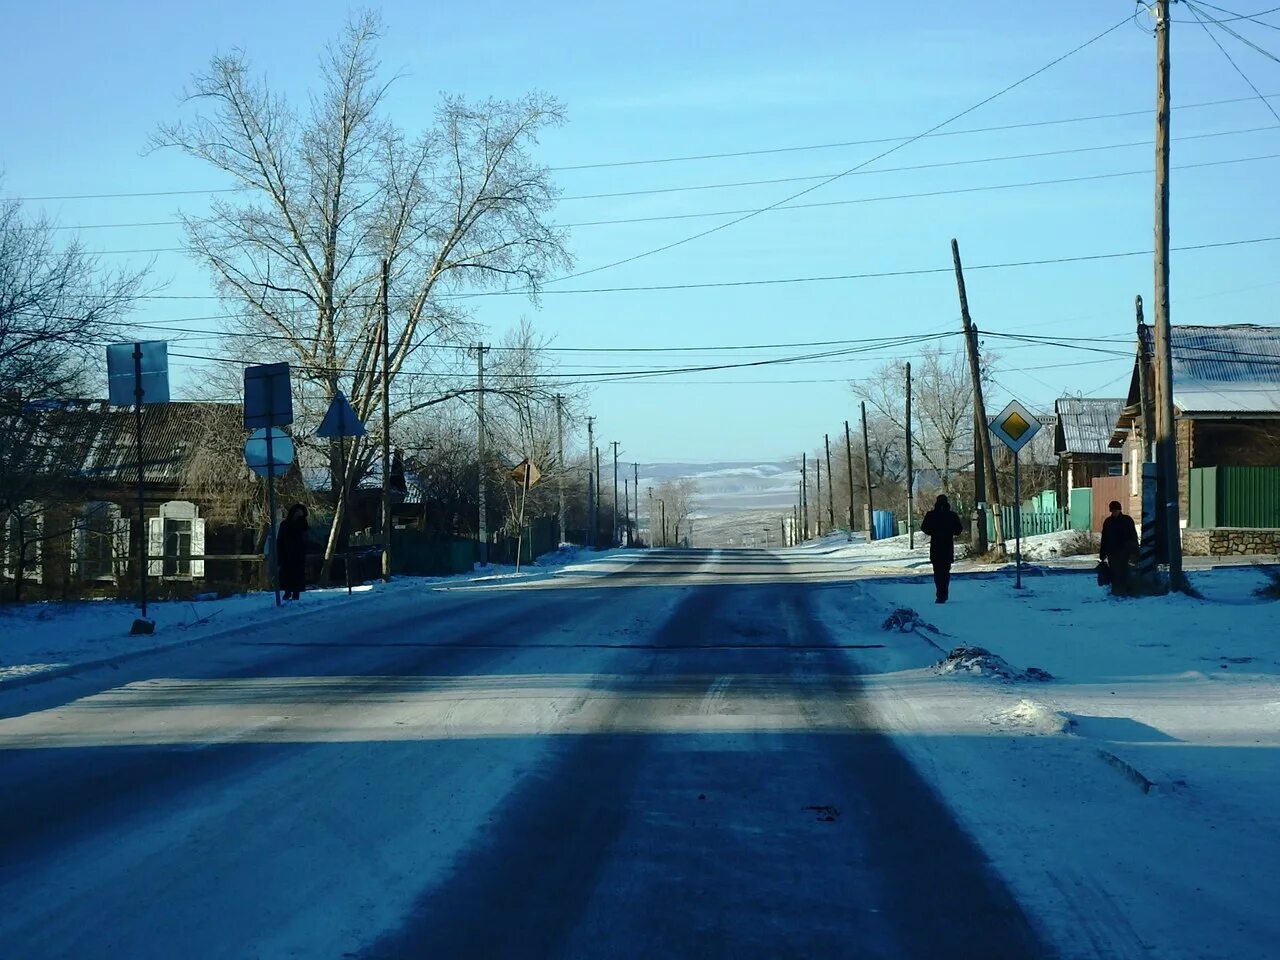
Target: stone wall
x,y
1230,541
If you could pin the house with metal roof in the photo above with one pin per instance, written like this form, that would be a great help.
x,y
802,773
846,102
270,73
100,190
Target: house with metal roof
x,y
1226,399
69,500
1082,439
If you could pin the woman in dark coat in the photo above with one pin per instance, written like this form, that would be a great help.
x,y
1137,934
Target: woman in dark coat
x,y
291,549
942,526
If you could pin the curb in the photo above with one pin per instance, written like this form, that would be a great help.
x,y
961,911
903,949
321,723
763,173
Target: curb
x,y
1129,771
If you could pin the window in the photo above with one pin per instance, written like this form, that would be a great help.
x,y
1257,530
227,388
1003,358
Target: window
x,y
24,540
100,544
175,542
1116,470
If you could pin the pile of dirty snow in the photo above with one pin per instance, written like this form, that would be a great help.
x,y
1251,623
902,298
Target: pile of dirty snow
x,y
978,661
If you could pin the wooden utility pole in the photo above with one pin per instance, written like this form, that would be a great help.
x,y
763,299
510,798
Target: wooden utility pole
x,y
831,487
817,507
982,439
386,424
848,456
560,464
804,496
636,476
911,530
1166,439
483,532
596,532
616,539
626,508
866,473
1145,395
591,483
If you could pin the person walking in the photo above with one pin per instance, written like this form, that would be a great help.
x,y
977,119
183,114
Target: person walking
x,y
1119,544
291,550
942,526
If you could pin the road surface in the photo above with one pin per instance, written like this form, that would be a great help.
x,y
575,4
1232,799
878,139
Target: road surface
x,y
667,756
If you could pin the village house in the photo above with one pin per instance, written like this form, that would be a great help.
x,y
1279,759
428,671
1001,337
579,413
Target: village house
x,y
69,503
1226,398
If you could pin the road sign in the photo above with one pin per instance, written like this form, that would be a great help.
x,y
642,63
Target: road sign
x,y
518,474
340,420
268,401
1015,426
255,452
124,368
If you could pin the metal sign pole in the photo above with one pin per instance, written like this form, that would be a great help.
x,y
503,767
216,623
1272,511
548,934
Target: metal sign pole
x,y
342,527
271,506
1017,518
142,519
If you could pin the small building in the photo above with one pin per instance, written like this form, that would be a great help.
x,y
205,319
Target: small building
x,y
69,502
1226,398
1082,440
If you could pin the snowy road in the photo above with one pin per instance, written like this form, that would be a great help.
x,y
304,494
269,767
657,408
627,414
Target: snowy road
x,y
663,756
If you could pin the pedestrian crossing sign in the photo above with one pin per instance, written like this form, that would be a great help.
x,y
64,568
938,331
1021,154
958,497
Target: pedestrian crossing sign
x,y
1015,425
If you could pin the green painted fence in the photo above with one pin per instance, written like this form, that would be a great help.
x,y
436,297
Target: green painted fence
x,y
1034,522
1233,497
1082,508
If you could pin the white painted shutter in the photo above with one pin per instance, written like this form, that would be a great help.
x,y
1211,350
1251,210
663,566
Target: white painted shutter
x,y
155,547
35,551
197,548
119,547
78,538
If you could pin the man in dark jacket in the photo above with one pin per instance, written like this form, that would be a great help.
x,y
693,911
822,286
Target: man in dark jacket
x,y
1119,544
942,526
291,544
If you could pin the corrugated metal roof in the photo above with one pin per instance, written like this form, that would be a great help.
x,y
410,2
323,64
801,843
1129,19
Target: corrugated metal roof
x,y
1085,424
1227,369
91,440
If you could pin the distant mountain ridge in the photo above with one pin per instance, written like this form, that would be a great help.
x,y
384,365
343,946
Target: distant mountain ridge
x,y
732,486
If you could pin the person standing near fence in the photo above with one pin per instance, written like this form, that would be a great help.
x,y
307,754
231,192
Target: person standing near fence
x,y
942,526
291,545
1119,547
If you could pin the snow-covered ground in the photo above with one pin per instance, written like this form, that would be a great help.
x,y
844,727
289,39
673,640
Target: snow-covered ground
x,y
1130,801
50,638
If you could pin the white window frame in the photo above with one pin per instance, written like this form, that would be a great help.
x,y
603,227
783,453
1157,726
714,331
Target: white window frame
x,y
33,569
157,554
117,533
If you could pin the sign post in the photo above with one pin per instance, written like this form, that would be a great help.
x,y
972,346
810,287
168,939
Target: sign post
x,y
268,403
138,373
525,474
1015,426
340,421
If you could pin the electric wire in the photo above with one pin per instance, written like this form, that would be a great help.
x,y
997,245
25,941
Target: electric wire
x,y
1195,12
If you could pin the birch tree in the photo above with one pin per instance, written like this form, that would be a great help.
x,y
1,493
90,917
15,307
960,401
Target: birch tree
x,y
332,188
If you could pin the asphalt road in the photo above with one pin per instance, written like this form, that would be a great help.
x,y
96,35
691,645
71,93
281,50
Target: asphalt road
x,y
669,757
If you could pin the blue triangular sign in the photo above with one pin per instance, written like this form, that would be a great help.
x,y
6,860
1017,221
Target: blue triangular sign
x,y
340,420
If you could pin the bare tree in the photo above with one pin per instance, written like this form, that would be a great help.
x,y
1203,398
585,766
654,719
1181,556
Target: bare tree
x,y
942,409
331,191
58,307
678,497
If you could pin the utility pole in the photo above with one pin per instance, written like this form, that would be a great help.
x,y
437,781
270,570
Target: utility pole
x,y
1144,390
848,456
1166,439
591,488
817,507
982,445
386,423
866,470
626,508
560,464
616,538
636,467
804,496
831,487
662,505
483,533
597,530
911,530
652,541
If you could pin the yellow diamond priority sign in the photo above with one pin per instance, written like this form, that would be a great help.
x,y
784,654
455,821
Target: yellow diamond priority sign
x,y
1015,426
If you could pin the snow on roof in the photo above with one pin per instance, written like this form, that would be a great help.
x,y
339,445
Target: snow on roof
x,y
1085,424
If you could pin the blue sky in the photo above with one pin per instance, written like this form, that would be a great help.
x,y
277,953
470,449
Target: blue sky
x,y
86,83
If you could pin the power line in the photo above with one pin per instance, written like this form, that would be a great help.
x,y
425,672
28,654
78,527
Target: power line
x,y
920,271
1067,151
968,131
1195,12
1253,17
879,156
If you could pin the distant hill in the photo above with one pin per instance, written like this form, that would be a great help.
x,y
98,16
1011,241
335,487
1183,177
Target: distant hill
x,y
732,486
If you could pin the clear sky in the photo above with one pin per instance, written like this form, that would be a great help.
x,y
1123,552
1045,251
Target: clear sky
x,y
85,83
